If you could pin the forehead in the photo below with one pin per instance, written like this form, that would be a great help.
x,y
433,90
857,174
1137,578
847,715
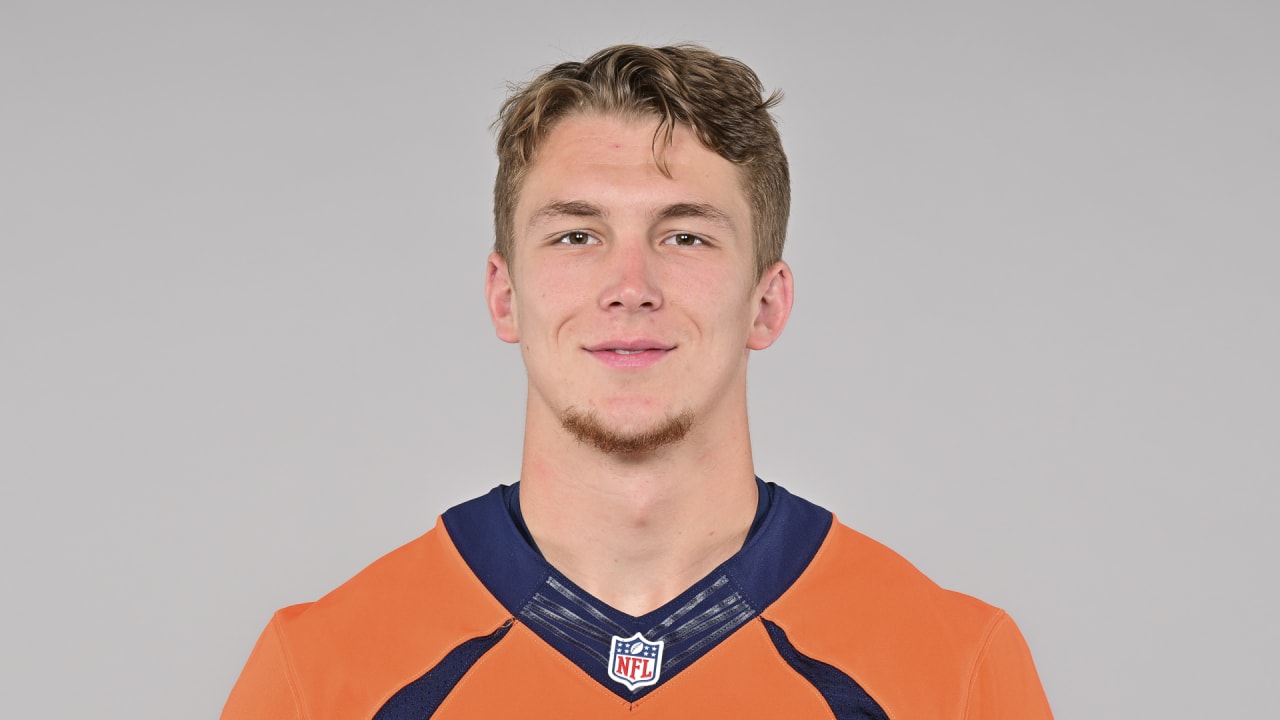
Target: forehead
x,y
610,162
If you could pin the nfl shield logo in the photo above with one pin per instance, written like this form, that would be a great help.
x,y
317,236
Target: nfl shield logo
x,y
634,661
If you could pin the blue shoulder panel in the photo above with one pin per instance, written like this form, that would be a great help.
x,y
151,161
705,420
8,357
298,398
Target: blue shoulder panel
x,y
845,697
421,698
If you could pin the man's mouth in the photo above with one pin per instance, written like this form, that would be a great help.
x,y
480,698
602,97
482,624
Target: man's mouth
x,y
630,354
630,347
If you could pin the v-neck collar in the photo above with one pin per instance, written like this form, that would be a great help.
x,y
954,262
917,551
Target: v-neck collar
x,y
488,533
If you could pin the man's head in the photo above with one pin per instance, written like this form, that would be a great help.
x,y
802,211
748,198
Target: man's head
x,y
641,207
719,98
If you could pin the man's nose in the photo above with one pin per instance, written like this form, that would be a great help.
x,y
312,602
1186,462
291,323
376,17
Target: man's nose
x,y
631,279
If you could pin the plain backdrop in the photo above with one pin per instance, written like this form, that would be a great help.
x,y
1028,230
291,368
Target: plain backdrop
x,y
244,349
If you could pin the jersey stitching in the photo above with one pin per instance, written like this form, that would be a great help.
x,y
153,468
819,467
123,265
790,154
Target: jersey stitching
x,y
430,663
551,627
758,622
428,667
719,620
479,661
744,613
294,692
997,620
827,547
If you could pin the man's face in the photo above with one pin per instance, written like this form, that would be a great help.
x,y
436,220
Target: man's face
x,y
633,294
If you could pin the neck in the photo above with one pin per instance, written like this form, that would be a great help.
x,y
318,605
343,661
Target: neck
x,y
637,530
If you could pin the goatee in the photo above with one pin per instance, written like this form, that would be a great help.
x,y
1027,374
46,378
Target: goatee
x,y
587,428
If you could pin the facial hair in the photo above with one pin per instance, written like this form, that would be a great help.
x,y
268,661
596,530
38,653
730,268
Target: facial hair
x,y
587,428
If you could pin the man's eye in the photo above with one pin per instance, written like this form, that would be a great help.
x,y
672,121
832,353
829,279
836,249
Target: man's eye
x,y
683,239
578,237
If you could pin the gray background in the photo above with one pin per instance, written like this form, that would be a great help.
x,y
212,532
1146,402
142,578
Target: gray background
x,y
245,350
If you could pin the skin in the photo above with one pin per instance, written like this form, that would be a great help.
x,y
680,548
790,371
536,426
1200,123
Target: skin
x,y
610,253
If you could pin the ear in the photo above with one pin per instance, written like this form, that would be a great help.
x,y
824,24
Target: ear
x,y
773,298
500,294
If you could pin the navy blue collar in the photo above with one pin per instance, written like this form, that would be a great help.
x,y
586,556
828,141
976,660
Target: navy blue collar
x,y
491,537
511,495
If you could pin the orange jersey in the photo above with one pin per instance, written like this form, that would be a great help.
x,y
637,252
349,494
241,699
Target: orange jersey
x,y
809,620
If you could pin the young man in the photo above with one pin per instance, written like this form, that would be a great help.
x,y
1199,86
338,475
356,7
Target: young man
x,y
639,566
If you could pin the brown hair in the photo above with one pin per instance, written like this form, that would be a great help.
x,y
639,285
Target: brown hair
x,y
720,98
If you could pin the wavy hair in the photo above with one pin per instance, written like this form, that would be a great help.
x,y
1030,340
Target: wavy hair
x,y
719,98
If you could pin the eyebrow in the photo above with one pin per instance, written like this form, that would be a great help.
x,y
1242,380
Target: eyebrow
x,y
703,211
569,208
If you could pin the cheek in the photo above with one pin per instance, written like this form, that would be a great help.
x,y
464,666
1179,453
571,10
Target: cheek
x,y
721,288
545,305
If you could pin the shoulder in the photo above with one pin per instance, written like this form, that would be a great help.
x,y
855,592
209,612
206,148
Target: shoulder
x,y
407,579
862,573
864,609
386,626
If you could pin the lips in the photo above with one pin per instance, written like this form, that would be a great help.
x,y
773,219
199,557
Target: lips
x,y
630,354
630,347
